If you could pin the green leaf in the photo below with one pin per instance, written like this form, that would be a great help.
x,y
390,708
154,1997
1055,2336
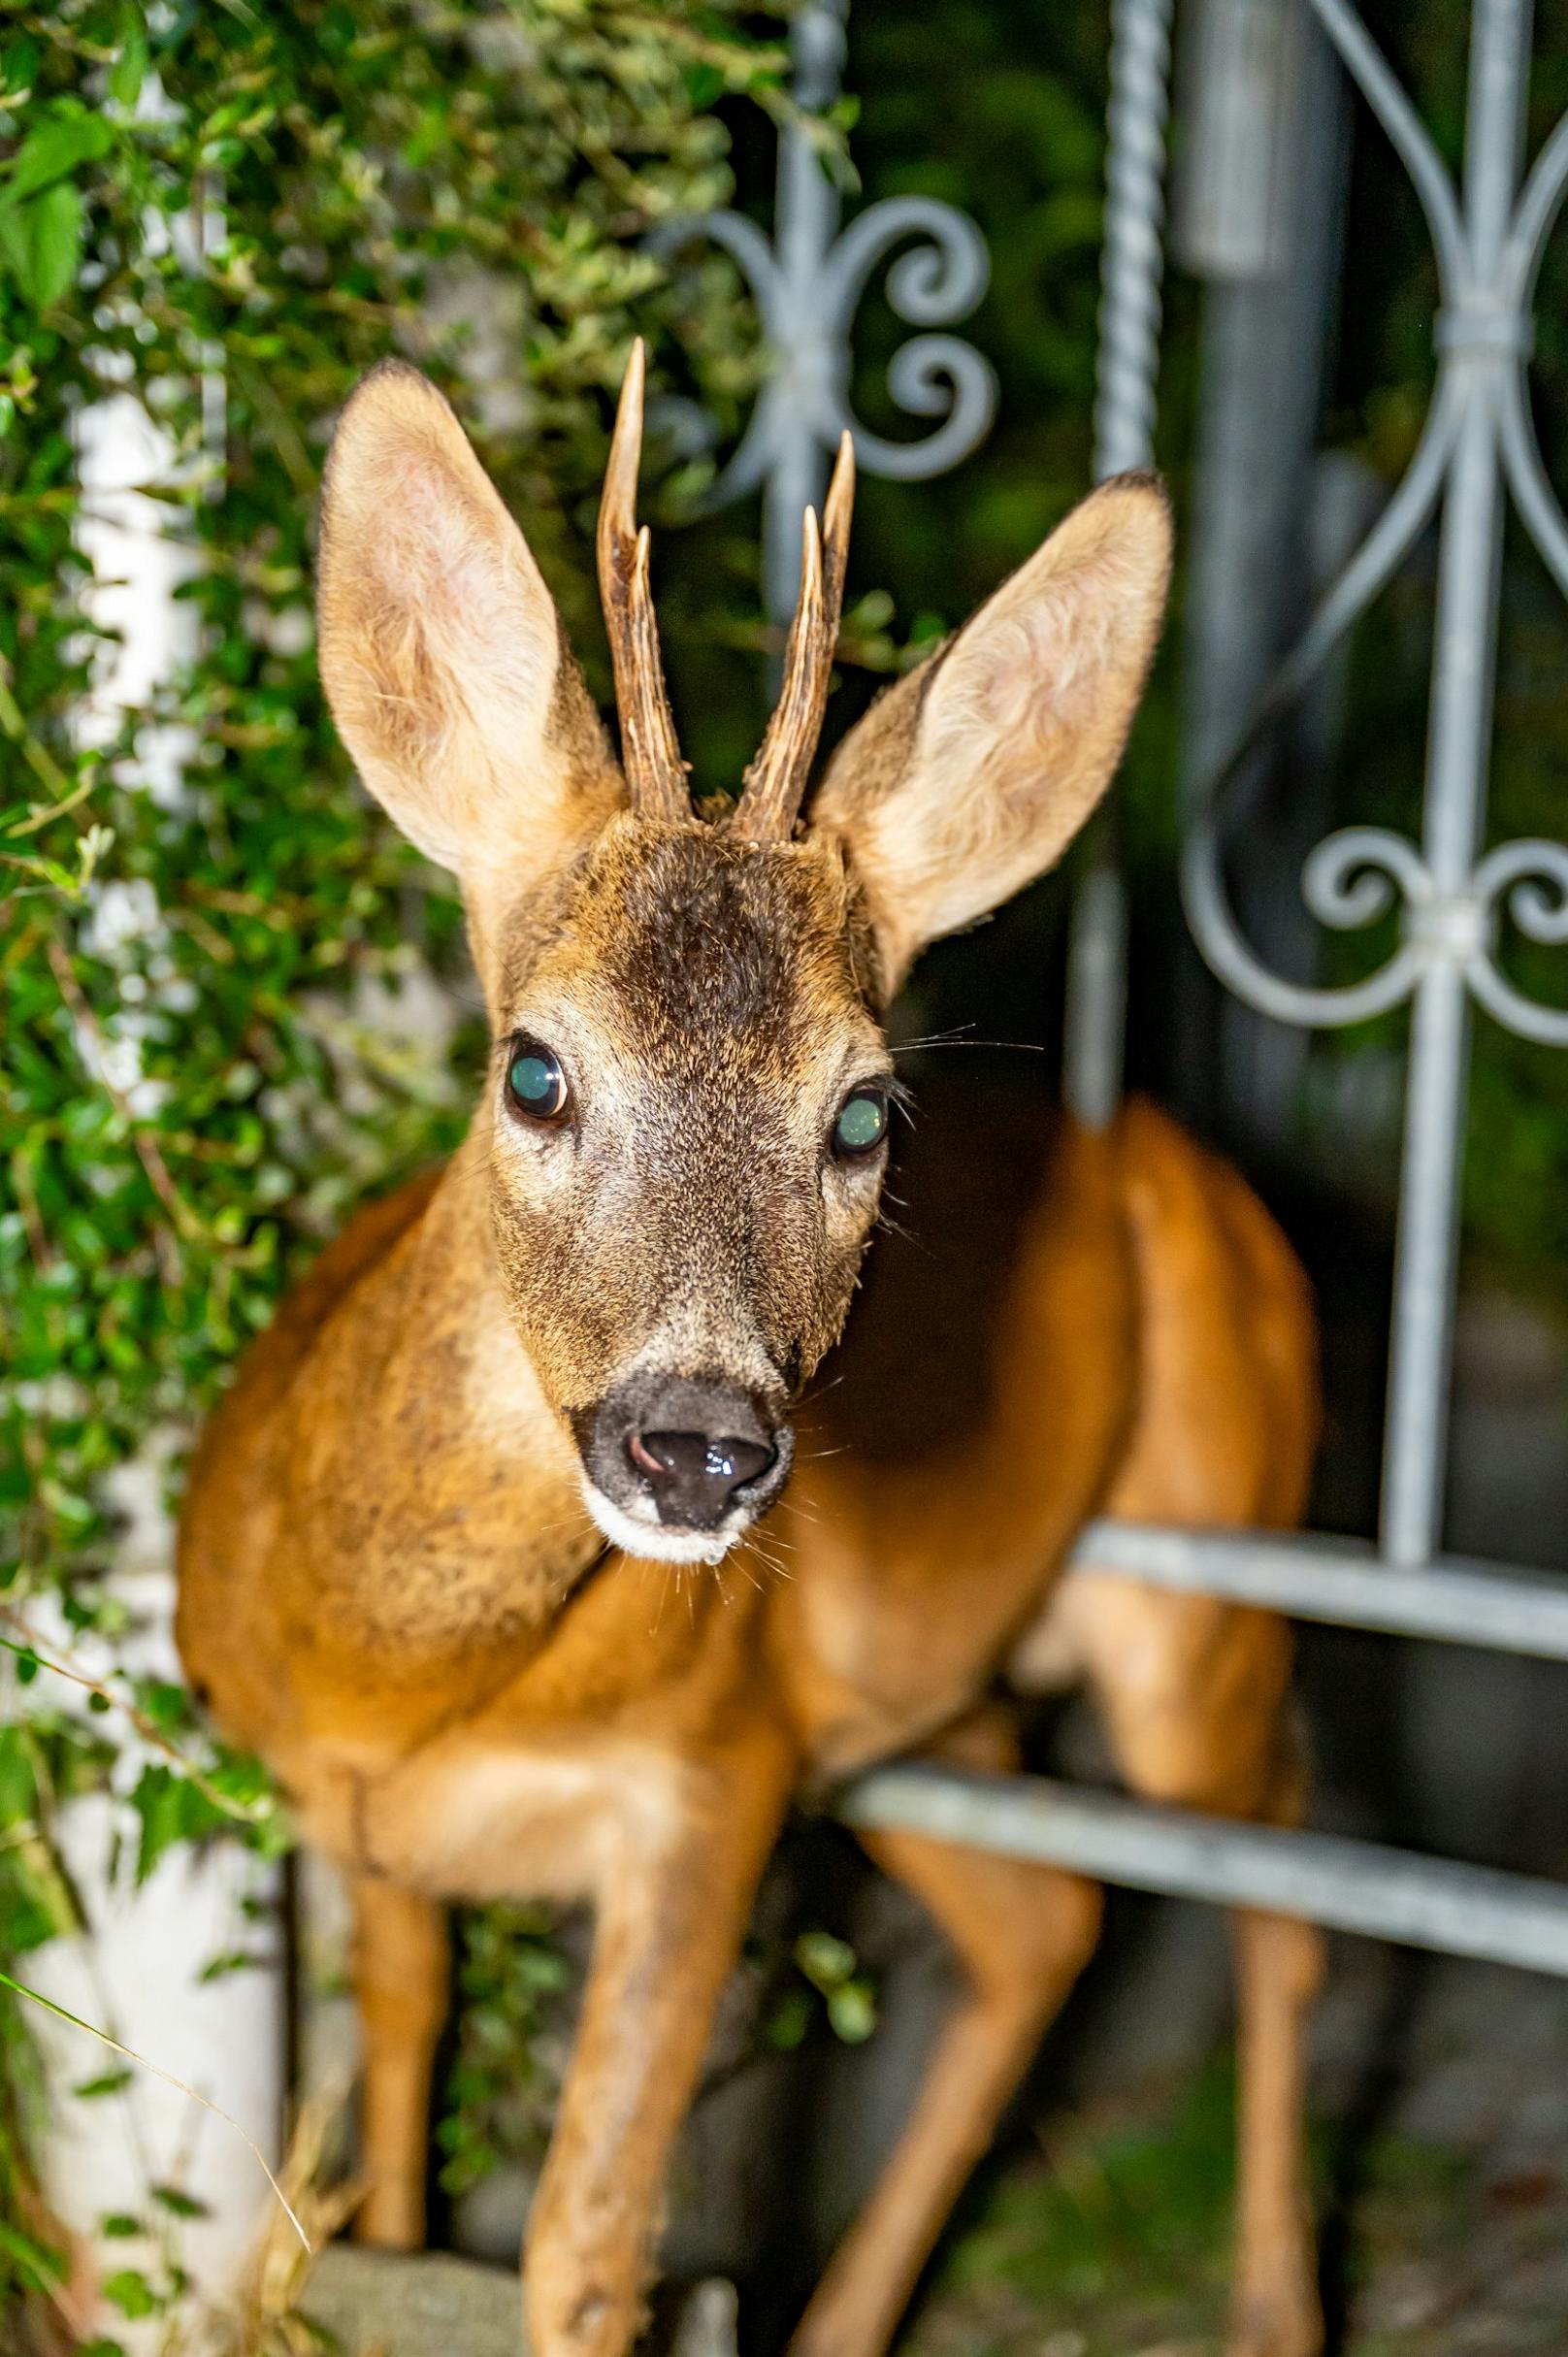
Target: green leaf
x,y
852,2013
53,150
40,241
234,1960
826,1961
117,2227
19,69
129,70
130,2292
789,2021
110,2082
169,1810
45,2265
178,2204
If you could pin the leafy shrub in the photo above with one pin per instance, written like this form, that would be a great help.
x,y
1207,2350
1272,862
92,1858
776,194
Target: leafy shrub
x,y
230,995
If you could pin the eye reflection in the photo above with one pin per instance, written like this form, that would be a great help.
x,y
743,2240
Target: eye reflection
x,y
535,1085
861,1124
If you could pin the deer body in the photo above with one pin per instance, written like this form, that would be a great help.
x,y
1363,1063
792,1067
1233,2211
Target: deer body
x,y
467,1553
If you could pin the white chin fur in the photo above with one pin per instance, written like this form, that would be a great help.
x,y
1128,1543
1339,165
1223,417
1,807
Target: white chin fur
x,y
655,1542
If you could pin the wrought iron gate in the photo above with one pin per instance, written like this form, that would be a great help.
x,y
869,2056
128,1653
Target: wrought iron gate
x,y
1478,446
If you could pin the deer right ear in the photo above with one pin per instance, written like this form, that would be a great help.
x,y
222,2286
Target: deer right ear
x,y
971,776
441,650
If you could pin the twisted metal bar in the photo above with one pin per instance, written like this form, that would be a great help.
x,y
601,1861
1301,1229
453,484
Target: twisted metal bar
x,y
1127,365
1127,361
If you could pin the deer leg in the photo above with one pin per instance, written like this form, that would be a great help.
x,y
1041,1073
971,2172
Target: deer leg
x,y
1202,1723
1275,2310
1021,1934
670,1915
399,1969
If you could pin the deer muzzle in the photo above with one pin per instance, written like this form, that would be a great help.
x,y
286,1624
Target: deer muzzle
x,y
677,1466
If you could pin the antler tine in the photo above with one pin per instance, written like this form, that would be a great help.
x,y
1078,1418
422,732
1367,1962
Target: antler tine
x,y
776,781
650,752
837,509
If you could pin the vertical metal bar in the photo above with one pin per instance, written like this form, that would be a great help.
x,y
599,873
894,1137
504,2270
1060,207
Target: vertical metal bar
x,y
1463,667
1258,218
806,222
1096,1014
1125,368
1127,361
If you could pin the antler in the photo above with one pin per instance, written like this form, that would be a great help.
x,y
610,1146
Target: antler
x,y
650,752
776,780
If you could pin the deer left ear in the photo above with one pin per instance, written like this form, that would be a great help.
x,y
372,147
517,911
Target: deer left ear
x,y
970,778
441,654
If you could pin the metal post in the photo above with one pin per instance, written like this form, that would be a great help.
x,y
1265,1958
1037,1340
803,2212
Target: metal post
x,y
808,222
1463,665
1125,368
1256,219
1132,264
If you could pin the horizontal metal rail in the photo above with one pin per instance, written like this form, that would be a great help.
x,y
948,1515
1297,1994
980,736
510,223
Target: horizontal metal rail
x,y
1497,1608
1347,1885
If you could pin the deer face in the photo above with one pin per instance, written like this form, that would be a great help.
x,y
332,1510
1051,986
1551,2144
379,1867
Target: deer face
x,y
685,1122
689,1109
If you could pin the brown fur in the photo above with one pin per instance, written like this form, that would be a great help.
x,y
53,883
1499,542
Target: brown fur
x,y
391,1583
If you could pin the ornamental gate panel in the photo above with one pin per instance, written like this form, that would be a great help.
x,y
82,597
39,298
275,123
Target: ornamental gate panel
x,y
1452,896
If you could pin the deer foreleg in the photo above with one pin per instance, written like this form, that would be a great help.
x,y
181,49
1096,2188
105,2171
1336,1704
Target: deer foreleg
x,y
1195,1695
400,1970
1274,2300
1021,1934
672,1913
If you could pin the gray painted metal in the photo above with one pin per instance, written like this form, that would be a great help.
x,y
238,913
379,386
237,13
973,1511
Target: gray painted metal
x,y
1132,259
1262,174
1343,1585
808,285
1355,1886
1125,366
1489,237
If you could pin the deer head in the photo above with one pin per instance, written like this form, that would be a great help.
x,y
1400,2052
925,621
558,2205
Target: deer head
x,y
685,1125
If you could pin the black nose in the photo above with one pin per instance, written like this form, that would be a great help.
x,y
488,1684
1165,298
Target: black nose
x,y
694,1476
688,1452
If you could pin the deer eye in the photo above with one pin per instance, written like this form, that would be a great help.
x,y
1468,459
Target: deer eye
x,y
535,1085
861,1124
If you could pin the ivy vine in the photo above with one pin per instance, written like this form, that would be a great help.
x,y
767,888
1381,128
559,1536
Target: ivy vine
x,y
233,1001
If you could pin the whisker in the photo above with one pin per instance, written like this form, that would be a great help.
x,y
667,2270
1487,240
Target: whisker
x,y
932,1039
895,1227
775,1538
752,1546
1018,1047
750,1576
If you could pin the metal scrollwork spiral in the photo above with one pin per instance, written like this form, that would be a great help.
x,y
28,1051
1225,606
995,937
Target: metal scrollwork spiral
x,y
809,284
1486,281
1530,879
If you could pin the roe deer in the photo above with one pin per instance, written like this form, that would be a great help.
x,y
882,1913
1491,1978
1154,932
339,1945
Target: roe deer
x,y
432,1545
